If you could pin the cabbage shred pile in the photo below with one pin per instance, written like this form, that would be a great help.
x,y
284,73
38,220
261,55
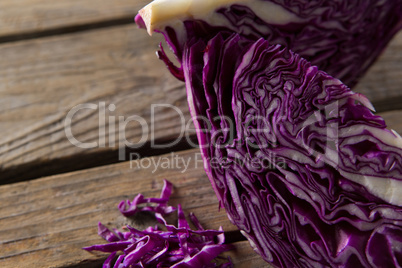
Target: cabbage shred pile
x,y
175,246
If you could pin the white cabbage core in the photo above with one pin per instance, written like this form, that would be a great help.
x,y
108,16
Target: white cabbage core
x,y
161,13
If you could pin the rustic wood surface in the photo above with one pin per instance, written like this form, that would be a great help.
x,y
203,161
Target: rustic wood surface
x,y
46,222
31,16
382,84
42,80
393,120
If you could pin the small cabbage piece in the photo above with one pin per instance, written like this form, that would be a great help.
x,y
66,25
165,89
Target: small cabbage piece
x,y
176,246
341,37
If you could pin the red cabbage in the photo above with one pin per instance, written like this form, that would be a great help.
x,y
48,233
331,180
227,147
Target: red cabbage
x,y
177,246
291,170
300,163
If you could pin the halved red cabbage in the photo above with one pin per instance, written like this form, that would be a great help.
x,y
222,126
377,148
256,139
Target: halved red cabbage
x,y
305,170
341,37
302,166
177,246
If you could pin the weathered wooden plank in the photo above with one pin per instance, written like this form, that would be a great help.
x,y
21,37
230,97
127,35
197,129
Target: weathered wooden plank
x,y
243,256
27,16
393,120
42,80
46,222
382,84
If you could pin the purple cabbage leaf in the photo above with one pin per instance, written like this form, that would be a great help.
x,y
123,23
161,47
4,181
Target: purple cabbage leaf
x,y
299,162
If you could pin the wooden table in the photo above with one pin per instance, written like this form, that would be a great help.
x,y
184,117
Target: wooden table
x,y
56,55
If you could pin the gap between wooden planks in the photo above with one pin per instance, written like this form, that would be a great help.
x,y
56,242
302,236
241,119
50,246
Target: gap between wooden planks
x,y
46,222
34,16
42,80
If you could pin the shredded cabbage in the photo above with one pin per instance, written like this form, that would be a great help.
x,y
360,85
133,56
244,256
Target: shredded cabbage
x,y
176,246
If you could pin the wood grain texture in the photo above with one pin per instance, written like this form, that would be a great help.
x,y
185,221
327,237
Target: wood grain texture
x,y
382,84
42,80
18,17
46,222
243,256
393,120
